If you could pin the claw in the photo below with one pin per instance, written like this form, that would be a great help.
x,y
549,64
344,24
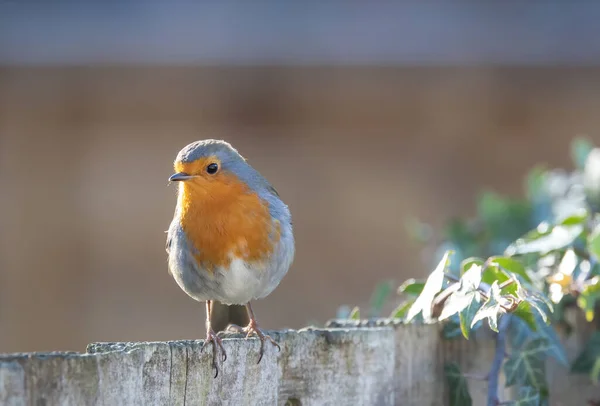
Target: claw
x,y
253,328
217,344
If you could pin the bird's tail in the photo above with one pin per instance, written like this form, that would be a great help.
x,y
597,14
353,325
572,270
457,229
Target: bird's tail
x,y
222,315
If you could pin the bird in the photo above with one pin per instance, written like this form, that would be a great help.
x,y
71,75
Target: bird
x,y
231,239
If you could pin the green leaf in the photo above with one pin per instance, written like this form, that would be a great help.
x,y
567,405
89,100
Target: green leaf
x,y
528,396
380,295
593,243
402,309
532,300
541,300
589,296
491,309
555,348
527,367
584,363
580,150
411,287
524,312
559,237
519,333
503,219
433,285
579,217
511,265
493,273
466,264
451,328
355,314
458,388
467,315
466,293
534,181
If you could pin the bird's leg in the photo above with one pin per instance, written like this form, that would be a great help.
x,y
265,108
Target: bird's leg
x,y
252,327
211,337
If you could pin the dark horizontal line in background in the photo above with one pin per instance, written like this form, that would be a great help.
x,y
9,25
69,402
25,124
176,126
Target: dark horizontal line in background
x,y
273,32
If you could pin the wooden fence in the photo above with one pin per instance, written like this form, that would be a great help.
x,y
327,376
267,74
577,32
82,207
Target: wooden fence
x,y
348,363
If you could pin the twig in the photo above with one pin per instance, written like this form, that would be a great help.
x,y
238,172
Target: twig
x,y
506,283
494,375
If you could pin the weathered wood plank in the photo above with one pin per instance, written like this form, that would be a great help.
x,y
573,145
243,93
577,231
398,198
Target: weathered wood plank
x,y
337,367
365,363
418,374
314,367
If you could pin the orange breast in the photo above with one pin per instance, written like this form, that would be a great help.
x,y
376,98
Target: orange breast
x,y
222,217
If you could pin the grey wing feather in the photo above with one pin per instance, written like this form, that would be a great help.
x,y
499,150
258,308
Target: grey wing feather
x,y
168,243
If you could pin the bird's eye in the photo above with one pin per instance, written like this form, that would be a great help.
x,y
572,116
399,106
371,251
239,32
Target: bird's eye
x,y
212,169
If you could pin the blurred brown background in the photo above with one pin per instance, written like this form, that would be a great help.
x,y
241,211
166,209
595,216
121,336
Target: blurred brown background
x,y
86,149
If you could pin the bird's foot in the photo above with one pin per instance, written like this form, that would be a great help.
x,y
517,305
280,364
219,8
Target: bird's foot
x,y
217,343
252,328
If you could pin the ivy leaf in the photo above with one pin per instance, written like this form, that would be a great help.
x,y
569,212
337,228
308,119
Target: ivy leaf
x,y
503,219
466,293
466,264
541,300
451,328
559,237
458,387
433,285
532,300
534,182
589,296
381,293
511,265
528,396
493,273
467,315
524,312
411,287
402,309
579,216
584,363
580,149
593,243
519,333
355,314
526,367
491,309
556,350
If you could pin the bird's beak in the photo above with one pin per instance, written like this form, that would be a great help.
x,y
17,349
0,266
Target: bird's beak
x,y
180,176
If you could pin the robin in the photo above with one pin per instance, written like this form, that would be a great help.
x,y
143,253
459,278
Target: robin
x,y
231,239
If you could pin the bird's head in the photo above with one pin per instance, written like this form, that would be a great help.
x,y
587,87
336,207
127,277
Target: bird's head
x,y
207,162
213,168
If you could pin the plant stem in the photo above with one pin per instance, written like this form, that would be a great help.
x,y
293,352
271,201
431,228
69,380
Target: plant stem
x,y
494,375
